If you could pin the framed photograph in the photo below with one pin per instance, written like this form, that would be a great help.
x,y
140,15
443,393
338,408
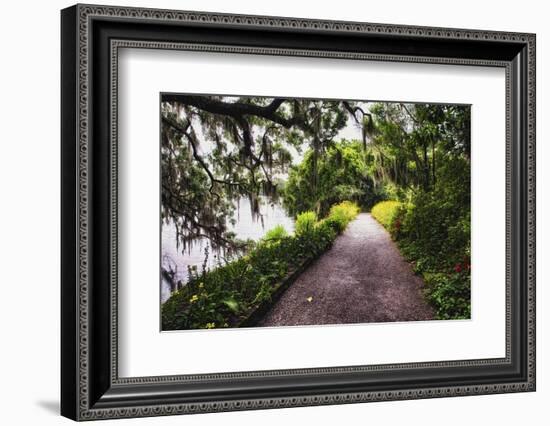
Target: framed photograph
x,y
263,212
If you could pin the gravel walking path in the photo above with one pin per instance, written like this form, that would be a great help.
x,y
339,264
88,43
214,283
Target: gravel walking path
x,y
362,278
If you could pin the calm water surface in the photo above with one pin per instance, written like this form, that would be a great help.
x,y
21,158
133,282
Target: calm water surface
x,y
247,227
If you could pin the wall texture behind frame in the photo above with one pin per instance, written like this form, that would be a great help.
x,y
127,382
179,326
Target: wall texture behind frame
x,y
29,218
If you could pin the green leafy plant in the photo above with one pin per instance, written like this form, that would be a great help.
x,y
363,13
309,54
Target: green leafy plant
x,y
449,293
341,214
275,234
305,222
386,212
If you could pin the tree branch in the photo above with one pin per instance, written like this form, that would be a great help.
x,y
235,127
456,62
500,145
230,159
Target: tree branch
x,y
412,117
234,109
190,137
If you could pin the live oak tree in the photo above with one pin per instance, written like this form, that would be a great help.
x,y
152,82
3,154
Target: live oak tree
x,y
217,149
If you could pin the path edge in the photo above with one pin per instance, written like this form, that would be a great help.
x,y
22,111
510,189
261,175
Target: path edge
x,y
259,312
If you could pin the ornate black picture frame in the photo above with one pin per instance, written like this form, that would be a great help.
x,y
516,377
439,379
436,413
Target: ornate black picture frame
x,y
91,36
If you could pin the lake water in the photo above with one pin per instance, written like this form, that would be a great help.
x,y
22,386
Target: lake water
x,y
248,226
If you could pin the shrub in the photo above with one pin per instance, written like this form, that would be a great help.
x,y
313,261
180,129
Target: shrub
x,y
386,212
436,225
341,214
436,235
457,243
346,211
329,227
305,222
449,294
275,234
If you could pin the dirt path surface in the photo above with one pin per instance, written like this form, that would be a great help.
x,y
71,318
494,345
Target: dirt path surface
x,y
362,278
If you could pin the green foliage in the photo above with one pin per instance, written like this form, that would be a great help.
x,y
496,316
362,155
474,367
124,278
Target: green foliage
x,y
449,294
409,141
436,225
386,213
275,234
305,222
341,214
340,173
226,295
346,210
